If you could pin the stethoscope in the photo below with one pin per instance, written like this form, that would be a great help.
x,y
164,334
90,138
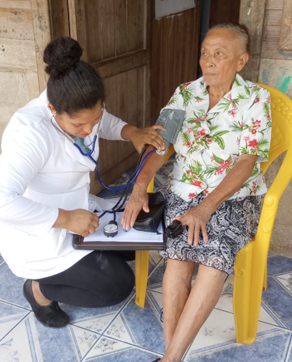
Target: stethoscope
x,y
90,153
111,229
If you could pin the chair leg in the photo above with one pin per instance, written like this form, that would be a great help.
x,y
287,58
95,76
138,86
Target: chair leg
x,y
142,268
241,294
250,269
258,272
265,284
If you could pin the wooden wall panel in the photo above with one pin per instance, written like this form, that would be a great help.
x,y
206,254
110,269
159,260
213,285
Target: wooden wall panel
x,y
78,24
175,43
122,63
271,35
142,118
285,42
271,47
252,14
135,24
120,27
108,156
114,27
126,106
224,11
59,18
106,25
274,5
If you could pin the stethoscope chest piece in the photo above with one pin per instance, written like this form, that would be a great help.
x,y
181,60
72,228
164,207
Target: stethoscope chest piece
x,y
111,229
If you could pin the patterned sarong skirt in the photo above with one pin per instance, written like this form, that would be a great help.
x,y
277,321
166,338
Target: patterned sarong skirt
x,y
230,228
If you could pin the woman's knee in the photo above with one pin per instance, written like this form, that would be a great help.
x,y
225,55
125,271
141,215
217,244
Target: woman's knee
x,y
182,271
125,281
119,279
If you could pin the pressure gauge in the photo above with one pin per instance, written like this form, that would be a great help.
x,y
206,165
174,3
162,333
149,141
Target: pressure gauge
x,y
111,229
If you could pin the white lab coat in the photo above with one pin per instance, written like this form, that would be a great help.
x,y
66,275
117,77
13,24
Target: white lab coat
x,y
41,171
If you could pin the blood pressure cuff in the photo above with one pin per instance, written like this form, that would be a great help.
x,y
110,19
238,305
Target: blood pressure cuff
x,y
149,221
171,120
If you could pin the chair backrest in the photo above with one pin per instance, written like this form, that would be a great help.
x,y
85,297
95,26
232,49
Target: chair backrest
x,y
281,107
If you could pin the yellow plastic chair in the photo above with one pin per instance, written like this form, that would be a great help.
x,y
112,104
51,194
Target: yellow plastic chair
x,y
250,271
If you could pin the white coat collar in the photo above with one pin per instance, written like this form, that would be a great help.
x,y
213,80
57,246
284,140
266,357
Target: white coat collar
x,y
71,150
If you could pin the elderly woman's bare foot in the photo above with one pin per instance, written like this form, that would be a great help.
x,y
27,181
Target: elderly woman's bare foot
x,y
166,359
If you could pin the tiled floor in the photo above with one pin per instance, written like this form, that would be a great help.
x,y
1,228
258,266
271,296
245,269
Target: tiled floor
x,y
128,333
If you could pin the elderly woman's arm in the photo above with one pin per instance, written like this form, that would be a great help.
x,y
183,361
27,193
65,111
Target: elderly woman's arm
x,y
198,217
139,197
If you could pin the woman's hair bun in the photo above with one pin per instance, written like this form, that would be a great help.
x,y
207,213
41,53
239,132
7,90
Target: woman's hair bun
x,y
62,55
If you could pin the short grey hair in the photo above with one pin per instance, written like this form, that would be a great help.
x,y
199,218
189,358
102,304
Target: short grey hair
x,y
240,30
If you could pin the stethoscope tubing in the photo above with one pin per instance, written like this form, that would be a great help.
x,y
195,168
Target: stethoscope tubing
x,y
89,155
97,168
127,184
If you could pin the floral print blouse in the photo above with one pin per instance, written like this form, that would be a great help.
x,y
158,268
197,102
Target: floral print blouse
x,y
210,142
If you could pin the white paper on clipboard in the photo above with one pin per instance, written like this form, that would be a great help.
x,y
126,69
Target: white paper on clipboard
x,y
123,236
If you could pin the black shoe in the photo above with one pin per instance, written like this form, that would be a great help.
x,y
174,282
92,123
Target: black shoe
x,y
51,315
157,360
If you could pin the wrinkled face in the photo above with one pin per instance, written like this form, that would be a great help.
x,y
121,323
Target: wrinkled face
x,y
81,124
221,58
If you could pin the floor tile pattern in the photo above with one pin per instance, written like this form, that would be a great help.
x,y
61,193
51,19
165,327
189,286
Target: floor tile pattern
x,y
126,332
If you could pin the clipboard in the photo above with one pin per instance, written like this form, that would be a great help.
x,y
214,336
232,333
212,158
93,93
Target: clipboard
x,y
130,240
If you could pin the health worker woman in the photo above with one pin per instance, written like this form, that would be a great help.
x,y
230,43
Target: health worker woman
x,y
44,190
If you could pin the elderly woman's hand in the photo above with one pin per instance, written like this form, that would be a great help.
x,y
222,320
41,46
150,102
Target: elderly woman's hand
x,y
141,136
196,219
137,202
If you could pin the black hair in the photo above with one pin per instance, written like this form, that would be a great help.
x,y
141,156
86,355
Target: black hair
x,y
73,85
240,30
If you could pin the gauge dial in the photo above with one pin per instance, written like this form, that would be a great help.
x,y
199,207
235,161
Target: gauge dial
x,y
111,229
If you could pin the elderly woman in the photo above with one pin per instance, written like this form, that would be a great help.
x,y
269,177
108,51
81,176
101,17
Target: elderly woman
x,y
216,185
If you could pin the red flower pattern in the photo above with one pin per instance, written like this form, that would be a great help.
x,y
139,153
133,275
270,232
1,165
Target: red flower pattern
x,y
201,133
256,123
223,166
197,183
253,143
